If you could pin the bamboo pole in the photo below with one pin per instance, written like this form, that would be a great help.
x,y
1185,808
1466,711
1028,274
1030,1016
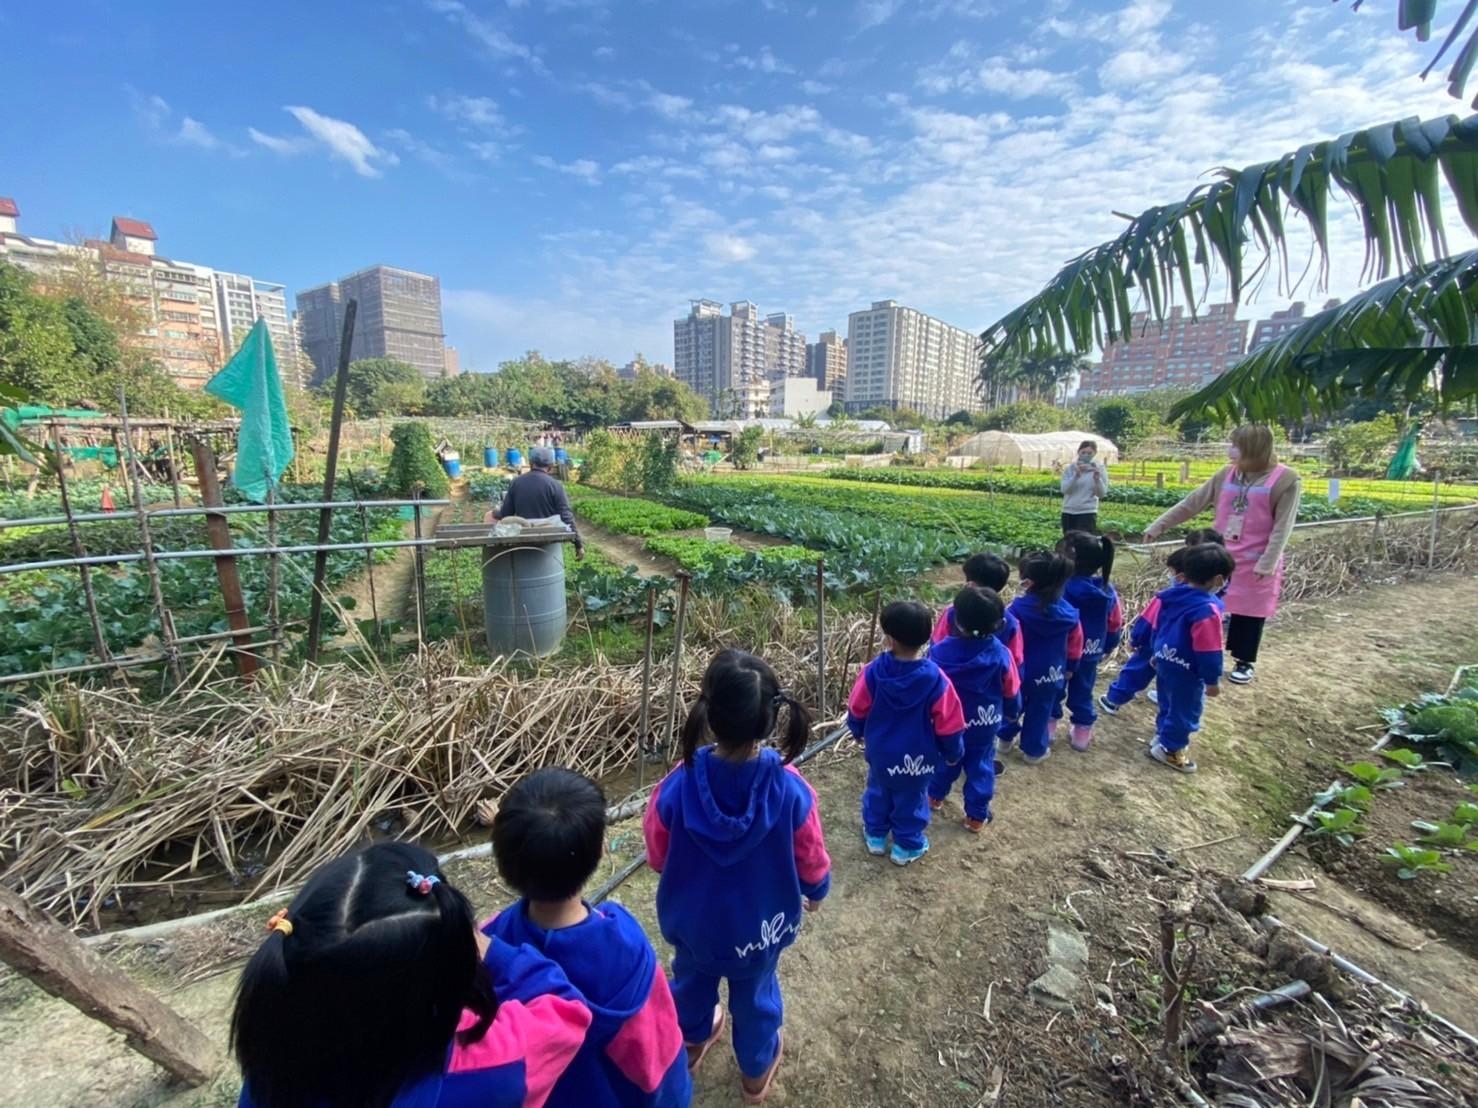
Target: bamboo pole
x,y
99,642
274,575
645,720
169,457
419,565
685,579
369,567
821,637
218,527
166,620
325,517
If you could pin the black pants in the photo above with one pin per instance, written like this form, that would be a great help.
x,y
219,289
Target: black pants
x,y
1244,636
1080,521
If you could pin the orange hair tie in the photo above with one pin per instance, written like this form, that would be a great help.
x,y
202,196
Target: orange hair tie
x,y
280,922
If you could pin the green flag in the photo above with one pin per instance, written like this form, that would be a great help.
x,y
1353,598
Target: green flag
x,y
249,381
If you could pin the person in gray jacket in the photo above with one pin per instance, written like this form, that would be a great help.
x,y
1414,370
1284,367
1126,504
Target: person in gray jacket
x,y
539,495
1083,484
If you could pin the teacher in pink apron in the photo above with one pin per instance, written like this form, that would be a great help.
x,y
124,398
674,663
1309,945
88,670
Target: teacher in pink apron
x,y
1256,504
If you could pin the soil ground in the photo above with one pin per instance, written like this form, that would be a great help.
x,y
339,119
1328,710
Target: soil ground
x,y
910,985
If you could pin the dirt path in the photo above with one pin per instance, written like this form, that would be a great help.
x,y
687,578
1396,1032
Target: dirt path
x,y
886,992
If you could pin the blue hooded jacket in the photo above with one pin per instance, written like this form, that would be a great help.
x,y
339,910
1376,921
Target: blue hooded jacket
x,y
985,679
908,717
1188,634
1053,640
1099,612
738,846
634,1039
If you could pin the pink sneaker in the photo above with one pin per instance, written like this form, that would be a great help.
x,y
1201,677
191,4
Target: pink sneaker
x,y
1082,737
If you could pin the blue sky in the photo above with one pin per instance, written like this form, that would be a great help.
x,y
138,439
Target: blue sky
x,y
576,170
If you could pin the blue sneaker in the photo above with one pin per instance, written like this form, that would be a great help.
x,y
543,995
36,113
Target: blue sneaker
x,y
876,846
1107,706
902,857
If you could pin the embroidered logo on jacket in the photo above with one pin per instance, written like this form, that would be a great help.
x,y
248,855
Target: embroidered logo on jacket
x,y
913,766
773,932
1167,653
1092,648
1053,675
987,715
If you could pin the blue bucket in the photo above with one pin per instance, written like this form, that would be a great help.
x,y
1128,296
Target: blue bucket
x,y
561,454
515,457
453,467
489,458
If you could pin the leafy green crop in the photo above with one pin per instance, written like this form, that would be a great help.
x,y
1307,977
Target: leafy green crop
x,y
1342,825
1374,776
1412,861
629,515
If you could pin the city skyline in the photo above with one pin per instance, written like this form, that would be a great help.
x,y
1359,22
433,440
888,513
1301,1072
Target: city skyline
x,y
573,171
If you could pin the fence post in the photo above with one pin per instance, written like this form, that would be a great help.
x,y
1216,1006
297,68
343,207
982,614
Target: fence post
x,y
821,638
218,528
419,562
78,550
685,579
331,467
274,575
644,722
166,620
369,568
1436,503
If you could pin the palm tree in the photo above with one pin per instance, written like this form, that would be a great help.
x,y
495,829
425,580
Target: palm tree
x,y
1235,225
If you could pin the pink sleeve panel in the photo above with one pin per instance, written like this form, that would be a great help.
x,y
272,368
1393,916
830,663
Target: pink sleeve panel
x,y
655,831
1017,646
544,1034
1116,617
1075,643
1011,680
860,702
941,627
1151,613
812,863
1206,635
947,713
650,1041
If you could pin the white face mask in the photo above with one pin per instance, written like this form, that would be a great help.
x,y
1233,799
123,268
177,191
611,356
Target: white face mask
x,y
1085,458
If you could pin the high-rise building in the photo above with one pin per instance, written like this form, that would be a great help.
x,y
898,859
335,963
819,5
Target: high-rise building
x,y
1181,353
453,363
826,361
399,317
731,360
1280,323
187,312
242,300
899,357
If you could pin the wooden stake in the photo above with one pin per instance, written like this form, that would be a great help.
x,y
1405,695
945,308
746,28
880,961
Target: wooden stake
x,y
644,724
218,527
99,643
331,468
274,576
166,620
57,961
821,638
684,579
174,468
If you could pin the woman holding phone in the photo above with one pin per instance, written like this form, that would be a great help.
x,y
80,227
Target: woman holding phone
x,y
1083,484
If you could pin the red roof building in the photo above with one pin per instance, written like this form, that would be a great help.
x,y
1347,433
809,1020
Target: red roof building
x,y
133,228
8,207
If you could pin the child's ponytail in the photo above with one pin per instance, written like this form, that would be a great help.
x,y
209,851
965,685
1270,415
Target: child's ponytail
x,y
797,728
1108,557
1091,554
695,728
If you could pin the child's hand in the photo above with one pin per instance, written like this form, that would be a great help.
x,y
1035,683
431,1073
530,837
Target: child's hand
x,y
810,905
1213,690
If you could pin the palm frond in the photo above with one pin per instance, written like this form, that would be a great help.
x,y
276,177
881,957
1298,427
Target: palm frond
x,y
1418,15
1391,173
1402,339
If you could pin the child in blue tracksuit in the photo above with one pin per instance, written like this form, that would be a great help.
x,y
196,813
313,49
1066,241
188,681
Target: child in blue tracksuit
x,y
1052,637
984,676
1138,673
1102,618
548,838
1188,652
374,987
904,711
985,571
736,835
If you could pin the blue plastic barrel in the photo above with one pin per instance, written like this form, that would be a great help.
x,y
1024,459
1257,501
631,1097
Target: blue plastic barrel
x,y
453,467
515,457
561,454
489,457
523,594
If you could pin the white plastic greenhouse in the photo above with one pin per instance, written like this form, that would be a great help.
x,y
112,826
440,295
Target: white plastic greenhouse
x,y
1005,448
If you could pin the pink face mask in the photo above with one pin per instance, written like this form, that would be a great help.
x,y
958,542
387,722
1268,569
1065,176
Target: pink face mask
x,y
1234,454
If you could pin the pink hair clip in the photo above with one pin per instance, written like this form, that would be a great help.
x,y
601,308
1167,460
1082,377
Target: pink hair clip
x,y
420,882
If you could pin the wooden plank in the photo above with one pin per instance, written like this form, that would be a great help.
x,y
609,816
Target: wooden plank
x,y
58,962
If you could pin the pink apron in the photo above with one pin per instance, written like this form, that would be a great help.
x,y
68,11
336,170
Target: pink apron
x,y
1244,514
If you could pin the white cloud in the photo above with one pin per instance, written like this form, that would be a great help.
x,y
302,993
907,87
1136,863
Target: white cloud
x,y
1136,67
470,111
582,168
816,88
194,133
729,248
494,40
874,13
158,118
277,144
763,62
603,52
669,106
343,140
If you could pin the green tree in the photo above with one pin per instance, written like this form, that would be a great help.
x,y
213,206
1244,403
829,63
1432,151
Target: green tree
x,y
382,386
1361,447
37,355
1124,422
1025,418
746,447
413,463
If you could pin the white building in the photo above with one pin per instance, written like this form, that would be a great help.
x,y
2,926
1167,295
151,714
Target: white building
x,y
794,397
730,359
901,358
242,301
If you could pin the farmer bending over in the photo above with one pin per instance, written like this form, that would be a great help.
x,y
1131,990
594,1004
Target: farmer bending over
x,y
538,495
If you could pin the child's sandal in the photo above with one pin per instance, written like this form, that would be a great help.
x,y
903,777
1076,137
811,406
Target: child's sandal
x,y
710,1042
760,1095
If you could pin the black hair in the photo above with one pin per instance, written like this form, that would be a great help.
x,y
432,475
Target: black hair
x,y
979,612
740,705
1088,444
1201,563
1090,553
908,623
364,994
1176,560
1048,574
990,571
549,833
1205,534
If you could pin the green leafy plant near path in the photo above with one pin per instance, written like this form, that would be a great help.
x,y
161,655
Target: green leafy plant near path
x,y
631,515
1411,861
1445,722
1341,825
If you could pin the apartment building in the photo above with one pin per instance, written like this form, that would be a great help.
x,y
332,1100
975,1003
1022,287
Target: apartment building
x,y
1279,324
826,362
187,312
730,360
399,317
1184,352
898,357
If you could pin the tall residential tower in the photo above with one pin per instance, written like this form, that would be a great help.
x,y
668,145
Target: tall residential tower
x,y
899,357
399,317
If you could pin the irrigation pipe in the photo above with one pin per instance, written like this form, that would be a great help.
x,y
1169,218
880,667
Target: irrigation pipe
x,y
149,931
1300,825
